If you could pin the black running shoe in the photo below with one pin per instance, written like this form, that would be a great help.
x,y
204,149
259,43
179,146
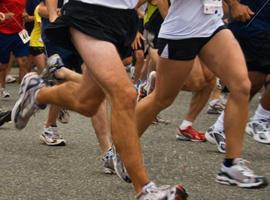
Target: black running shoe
x,y
5,117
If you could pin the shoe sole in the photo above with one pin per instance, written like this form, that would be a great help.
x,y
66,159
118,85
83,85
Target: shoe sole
x,y
256,137
227,181
19,101
44,141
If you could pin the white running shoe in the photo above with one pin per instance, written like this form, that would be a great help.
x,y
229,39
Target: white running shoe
x,y
51,137
108,165
10,79
216,137
166,192
259,130
119,167
4,94
239,174
63,116
26,105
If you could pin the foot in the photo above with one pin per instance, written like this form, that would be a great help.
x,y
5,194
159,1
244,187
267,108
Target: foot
x,y
26,105
216,137
10,79
108,162
259,130
63,116
5,117
160,120
4,94
216,108
190,134
239,174
166,192
119,167
51,137
54,64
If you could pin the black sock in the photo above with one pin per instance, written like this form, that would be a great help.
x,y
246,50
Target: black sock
x,y
228,162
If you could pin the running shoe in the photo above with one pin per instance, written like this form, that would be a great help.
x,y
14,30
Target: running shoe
x,y
10,79
216,137
160,120
26,106
141,91
190,134
150,84
4,94
119,167
54,63
239,174
216,108
108,162
259,130
166,192
51,137
5,117
63,116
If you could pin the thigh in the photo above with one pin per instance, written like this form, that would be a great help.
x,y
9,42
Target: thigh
x,y
224,57
196,80
171,76
89,90
103,62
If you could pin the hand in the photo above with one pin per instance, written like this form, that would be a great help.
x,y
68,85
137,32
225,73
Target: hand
x,y
55,15
137,41
2,17
241,12
9,15
25,16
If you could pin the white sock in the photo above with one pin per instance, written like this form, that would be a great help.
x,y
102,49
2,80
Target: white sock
x,y
185,124
261,113
219,124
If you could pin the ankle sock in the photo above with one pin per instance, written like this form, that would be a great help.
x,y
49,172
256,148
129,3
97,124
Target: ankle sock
x,y
228,162
219,124
185,124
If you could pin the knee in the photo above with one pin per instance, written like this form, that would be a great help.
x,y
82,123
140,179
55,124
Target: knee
x,y
162,102
241,89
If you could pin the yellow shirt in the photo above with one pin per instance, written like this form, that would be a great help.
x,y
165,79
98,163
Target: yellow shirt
x,y
36,40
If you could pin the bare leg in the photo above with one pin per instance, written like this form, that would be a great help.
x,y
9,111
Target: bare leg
x,y
40,62
3,73
171,76
229,65
24,67
139,54
201,82
112,78
101,125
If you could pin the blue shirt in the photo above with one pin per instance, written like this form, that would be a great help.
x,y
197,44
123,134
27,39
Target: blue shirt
x,y
257,24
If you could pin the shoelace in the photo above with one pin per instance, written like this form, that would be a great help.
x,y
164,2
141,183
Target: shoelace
x,y
241,163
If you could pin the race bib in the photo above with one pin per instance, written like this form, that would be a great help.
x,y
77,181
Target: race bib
x,y
211,7
24,36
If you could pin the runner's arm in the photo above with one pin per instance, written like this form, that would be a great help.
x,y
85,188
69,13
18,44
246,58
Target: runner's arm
x,y
52,9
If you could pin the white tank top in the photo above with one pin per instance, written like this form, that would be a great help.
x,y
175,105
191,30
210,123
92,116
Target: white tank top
x,y
120,4
186,19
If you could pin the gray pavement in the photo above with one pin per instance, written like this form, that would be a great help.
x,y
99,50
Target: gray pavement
x,y
32,171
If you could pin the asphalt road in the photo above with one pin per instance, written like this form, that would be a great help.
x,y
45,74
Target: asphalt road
x,y
32,171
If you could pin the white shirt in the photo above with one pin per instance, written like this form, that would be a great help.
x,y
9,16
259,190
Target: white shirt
x,y
120,4
187,20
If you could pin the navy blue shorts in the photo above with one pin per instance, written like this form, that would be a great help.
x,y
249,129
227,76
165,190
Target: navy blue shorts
x,y
12,44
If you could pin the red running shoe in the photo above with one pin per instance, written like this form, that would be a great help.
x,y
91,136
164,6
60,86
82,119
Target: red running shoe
x,y
190,134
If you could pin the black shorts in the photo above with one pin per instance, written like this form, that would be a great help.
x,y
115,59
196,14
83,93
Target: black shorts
x,y
185,49
35,51
257,51
118,26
